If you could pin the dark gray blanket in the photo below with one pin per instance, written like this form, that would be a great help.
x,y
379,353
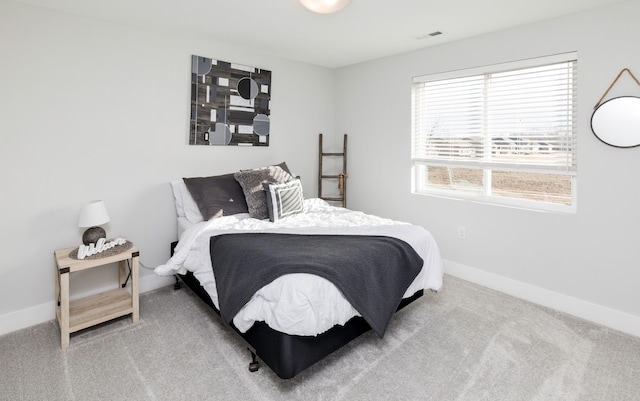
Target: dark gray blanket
x,y
373,272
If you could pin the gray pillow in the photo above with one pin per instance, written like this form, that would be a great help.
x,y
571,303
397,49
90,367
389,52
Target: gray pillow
x,y
217,196
251,182
284,166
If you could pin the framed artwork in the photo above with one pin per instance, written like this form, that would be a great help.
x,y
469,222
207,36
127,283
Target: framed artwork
x,y
229,103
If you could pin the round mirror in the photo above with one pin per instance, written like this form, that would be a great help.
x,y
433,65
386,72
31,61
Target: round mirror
x,y
616,122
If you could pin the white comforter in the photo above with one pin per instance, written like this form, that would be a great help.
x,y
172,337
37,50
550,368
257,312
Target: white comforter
x,y
300,304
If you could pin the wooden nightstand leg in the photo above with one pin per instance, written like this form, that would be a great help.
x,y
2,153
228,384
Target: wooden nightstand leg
x,y
135,315
57,288
123,272
63,321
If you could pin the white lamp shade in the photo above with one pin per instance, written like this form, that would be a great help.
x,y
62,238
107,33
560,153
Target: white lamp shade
x,y
325,6
93,214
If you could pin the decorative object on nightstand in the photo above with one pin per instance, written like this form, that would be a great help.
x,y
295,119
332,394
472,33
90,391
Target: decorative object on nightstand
x,y
92,215
101,248
88,311
325,6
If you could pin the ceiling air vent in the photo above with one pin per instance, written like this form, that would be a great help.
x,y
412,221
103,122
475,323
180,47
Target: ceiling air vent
x,y
435,33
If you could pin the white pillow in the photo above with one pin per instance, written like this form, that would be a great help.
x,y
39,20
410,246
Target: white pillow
x,y
185,205
177,196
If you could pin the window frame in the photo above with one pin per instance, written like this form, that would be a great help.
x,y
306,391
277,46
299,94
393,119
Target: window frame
x,y
419,183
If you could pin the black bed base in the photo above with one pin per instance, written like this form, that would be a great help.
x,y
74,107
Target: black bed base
x,y
287,355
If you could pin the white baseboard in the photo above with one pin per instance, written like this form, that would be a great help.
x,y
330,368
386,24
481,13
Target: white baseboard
x,y
603,315
45,312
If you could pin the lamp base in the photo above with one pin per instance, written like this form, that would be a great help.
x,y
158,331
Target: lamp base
x,y
92,235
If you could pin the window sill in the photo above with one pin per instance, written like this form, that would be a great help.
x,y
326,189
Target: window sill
x,y
521,204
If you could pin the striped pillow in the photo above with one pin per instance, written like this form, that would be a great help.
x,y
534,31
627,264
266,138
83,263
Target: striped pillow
x,y
284,199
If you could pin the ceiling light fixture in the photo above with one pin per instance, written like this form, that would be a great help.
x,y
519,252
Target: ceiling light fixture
x,y
325,6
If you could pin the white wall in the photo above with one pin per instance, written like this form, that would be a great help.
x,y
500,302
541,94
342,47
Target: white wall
x,y
91,110
587,263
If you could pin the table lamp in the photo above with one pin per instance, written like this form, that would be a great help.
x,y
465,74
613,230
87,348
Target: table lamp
x,y
92,215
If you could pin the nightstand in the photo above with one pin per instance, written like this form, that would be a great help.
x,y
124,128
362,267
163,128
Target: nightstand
x,y
86,312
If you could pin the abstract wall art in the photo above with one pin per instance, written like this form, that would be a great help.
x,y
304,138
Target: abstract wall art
x,y
230,103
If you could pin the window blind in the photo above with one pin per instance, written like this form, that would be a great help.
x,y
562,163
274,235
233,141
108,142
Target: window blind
x,y
519,119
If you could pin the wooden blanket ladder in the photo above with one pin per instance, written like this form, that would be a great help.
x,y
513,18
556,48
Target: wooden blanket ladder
x,y
341,177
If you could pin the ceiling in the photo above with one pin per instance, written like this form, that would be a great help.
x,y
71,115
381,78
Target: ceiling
x,y
364,30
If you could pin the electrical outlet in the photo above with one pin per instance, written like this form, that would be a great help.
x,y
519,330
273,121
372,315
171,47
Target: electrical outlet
x,y
462,232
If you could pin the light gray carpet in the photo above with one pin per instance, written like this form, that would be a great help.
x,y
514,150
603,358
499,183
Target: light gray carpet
x,y
464,343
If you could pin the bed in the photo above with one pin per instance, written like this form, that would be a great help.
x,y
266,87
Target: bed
x,y
295,318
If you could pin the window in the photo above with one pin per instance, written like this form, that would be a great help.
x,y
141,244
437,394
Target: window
x,y
503,134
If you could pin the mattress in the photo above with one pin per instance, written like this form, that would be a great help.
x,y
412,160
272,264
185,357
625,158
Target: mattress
x,y
300,304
